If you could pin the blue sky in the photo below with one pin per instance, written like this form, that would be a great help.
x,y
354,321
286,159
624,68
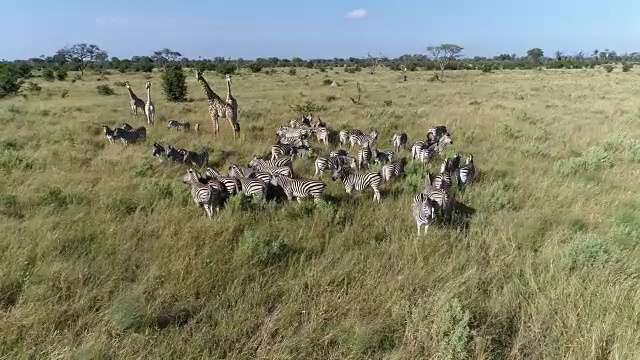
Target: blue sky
x,y
318,29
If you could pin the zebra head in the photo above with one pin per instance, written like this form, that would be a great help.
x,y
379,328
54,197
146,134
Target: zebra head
x,y
339,173
127,127
470,159
190,177
455,162
446,139
172,123
255,161
106,129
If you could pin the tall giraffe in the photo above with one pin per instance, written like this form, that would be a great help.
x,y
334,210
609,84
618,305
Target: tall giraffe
x,y
219,108
150,109
136,102
230,99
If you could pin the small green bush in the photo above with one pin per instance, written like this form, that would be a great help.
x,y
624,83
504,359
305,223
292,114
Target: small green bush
x,y
48,75
292,71
327,82
607,68
33,88
104,90
626,67
174,83
255,67
10,81
61,74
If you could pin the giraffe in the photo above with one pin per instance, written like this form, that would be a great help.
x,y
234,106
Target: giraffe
x,y
136,102
230,99
150,109
219,108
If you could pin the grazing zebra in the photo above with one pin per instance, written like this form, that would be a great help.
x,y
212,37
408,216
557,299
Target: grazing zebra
x,y
438,132
382,156
252,187
358,139
345,135
443,179
172,124
393,170
339,152
260,165
305,121
230,183
158,150
127,127
175,154
322,134
359,182
199,159
466,173
110,134
131,136
332,163
281,161
399,141
441,199
203,195
289,132
423,212
278,150
293,141
299,188
364,156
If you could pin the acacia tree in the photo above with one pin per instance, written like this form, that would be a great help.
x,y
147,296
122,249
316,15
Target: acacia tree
x,y
536,55
444,54
82,54
164,56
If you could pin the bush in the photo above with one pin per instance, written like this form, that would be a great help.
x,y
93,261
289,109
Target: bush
x,y
487,68
33,88
174,83
330,98
627,67
255,67
105,90
226,68
9,80
292,71
61,74
607,68
327,82
47,74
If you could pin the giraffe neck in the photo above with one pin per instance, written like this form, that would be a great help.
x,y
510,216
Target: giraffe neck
x,y
131,94
149,94
228,89
211,96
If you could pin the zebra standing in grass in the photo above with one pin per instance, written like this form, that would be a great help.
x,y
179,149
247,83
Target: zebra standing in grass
x,y
399,141
127,127
438,132
425,151
423,212
231,184
322,134
345,135
175,154
393,170
158,150
281,161
173,124
198,159
278,150
203,195
260,165
382,156
299,188
332,163
357,139
466,173
252,187
359,182
364,156
131,136
443,179
288,132
110,134
441,199
428,183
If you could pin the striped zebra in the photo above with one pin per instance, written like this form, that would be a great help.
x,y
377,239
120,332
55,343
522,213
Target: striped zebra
x,y
293,141
364,156
438,132
359,182
173,124
175,154
393,170
300,152
261,165
466,173
332,163
382,156
158,150
424,151
284,131
322,134
278,150
345,135
440,199
109,134
236,171
203,195
399,141
428,183
318,124
131,136
305,121
339,152
250,184
357,139
299,188
423,212
443,179
281,161
230,183
198,159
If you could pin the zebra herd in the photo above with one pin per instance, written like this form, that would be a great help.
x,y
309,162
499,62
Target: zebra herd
x,y
262,176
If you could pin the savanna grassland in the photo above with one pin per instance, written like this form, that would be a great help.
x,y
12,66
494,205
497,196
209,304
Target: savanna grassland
x,y
105,255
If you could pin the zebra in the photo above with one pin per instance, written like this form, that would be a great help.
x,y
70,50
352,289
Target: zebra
x,y
440,199
424,151
318,124
173,124
281,161
278,150
423,212
332,163
357,139
195,158
393,170
127,127
284,131
428,183
203,195
305,121
196,128
443,179
345,135
252,187
359,182
364,156
438,131
293,141
139,133
109,134
301,152
322,134
230,183
158,150
339,152
382,156
466,173
299,188
399,141
260,165
175,155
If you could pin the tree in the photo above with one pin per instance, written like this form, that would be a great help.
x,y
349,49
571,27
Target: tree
x,y
165,55
559,56
444,54
10,81
535,54
174,82
82,54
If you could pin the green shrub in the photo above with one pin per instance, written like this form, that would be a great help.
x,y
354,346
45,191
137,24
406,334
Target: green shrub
x,y
255,67
61,74
48,75
10,81
33,88
174,83
104,90
292,71
327,82
626,67
607,68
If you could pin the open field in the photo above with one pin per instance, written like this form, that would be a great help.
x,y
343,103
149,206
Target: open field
x,y
105,255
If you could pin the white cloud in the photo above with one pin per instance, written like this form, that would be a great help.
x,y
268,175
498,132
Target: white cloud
x,y
357,14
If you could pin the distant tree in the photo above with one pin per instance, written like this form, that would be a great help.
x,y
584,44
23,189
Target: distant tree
x,y
595,53
536,55
164,56
444,54
81,54
559,56
255,67
174,82
10,81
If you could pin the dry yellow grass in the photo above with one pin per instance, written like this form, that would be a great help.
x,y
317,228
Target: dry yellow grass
x,y
104,255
